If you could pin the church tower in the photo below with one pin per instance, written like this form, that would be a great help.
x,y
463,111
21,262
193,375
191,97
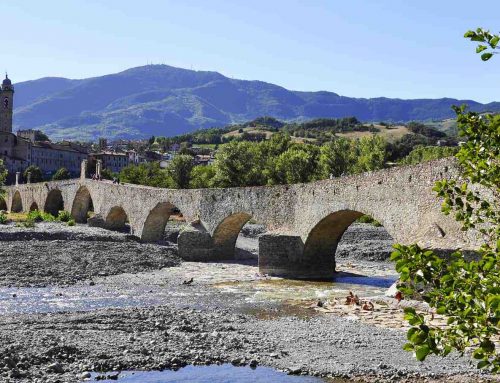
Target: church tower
x,y
6,105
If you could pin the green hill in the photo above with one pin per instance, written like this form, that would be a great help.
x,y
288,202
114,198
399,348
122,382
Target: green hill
x,y
164,101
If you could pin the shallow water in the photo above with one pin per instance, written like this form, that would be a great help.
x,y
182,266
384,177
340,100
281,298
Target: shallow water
x,y
286,290
213,374
87,298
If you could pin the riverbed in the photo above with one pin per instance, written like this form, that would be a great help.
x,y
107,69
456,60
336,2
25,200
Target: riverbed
x,y
154,312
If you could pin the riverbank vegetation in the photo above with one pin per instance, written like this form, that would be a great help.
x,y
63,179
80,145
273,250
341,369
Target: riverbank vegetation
x,y
466,292
281,160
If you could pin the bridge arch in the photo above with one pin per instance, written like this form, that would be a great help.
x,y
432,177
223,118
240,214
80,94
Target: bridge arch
x,y
116,219
17,203
154,226
3,204
226,233
54,202
33,206
82,204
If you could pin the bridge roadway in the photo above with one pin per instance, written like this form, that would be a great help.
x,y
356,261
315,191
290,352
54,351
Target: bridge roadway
x,y
304,221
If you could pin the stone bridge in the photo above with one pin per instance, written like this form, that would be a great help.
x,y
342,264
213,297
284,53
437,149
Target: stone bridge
x,y
304,221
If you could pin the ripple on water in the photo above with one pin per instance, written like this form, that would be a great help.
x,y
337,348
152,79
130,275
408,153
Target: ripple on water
x,y
214,374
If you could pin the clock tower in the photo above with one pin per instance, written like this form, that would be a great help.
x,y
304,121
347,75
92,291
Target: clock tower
x,y
6,105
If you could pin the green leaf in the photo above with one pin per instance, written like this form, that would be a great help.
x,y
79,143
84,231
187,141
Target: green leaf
x,y
486,56
408,347
494,41
422,352
481,48
483,364
441,310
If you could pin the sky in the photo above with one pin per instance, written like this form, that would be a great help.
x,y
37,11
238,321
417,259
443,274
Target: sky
x,y
356,48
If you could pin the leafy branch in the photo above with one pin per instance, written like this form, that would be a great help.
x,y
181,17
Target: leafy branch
x,y
487,50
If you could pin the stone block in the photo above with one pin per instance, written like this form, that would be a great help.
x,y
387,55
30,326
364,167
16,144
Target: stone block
x,y
283,256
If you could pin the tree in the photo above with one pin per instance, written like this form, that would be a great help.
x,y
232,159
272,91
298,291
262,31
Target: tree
x,y
238,164
36,173
293,166
487,50
180,171
107,174
336,158
371,154
41,136
427,153
61,174
202,177
466,291
3,177
149,174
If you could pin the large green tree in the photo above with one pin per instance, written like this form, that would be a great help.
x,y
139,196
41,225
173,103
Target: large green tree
x,y
238,164
179,170
202,177
337,158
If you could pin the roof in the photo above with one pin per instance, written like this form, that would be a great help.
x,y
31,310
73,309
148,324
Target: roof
x,y
108,154
52,146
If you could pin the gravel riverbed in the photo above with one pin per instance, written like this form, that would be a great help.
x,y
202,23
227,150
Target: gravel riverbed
x,y
196,323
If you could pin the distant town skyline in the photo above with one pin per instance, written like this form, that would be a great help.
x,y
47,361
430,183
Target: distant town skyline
x,y
357,48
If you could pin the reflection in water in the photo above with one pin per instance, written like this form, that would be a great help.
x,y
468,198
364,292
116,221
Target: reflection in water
x,y
357,279
214,374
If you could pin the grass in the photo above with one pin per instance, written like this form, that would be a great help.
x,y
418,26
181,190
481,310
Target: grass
x,y
17,217
391,133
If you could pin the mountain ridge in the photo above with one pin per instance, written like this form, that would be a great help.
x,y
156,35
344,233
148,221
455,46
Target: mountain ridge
x,y
165,100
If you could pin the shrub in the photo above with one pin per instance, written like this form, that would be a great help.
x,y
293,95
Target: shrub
x,y
71,222
61,174
39,216
368,219
35,216
29,223
64,216
3,218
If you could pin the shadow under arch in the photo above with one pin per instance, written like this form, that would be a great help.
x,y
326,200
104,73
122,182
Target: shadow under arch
x,y
117,219
54,202
82,204
323,239
33,206
226,234
154,227
3,204
17,203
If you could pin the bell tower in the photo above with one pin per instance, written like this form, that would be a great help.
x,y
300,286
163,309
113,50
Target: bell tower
x,y
6,105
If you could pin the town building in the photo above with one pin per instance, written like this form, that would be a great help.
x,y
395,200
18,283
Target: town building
x,y
111,161
18,151
50,157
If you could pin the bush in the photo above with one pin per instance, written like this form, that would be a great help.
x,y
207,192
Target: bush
x,y
61,174
368,219
3,218
29,223
64,216
71,222
39,216
36,173
35,216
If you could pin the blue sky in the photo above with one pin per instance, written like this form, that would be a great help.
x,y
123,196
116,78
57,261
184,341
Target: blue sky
x,y
359,48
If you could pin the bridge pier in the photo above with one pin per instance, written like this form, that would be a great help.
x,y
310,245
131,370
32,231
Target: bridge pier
x,y
195,244
282,255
